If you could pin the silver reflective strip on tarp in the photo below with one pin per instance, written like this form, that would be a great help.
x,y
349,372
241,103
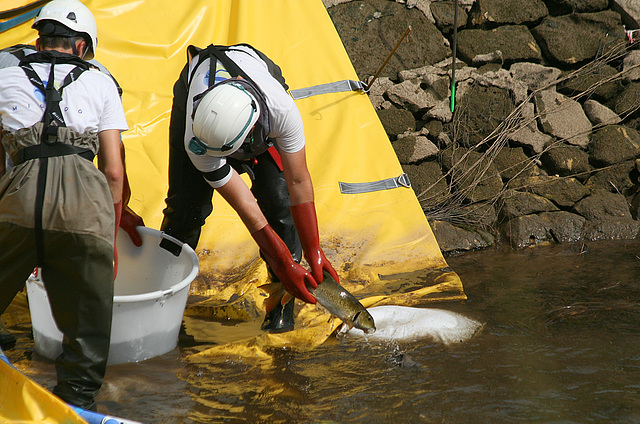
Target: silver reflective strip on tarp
x,y
389,183
331,87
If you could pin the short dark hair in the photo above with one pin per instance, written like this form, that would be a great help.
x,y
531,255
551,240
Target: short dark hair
x,y
52,41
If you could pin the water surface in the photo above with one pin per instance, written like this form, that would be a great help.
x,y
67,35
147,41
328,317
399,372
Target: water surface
x,y
561,344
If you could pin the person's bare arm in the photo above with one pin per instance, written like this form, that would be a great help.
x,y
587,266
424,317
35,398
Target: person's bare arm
x,y
110,162
297,176
238,195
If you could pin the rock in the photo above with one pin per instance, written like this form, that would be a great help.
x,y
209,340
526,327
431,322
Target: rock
x,y
563,227
514,41
614,144
475,118
563,192
451,238
329,3
414,148
512,162
611,229
629,10
547,103
631,66
370,29
576,38
524,231
526,134
535,76
493,57
601,76
627,102
566,161
396,121
411,96
428,183
603,205
434,128
501,78
423,6
482,214
473,175
517,203
599,114
513,12
576,6
562,117
615,178
443,15
635,206
377,90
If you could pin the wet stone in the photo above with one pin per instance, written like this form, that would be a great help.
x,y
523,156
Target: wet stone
x,y
563,192
616,178
452,238
563,227
614,144
517,203
511,12
396,121
514,41
576,38
603,205
566,160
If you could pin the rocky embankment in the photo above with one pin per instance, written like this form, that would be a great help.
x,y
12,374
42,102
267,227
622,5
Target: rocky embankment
x,y
543,142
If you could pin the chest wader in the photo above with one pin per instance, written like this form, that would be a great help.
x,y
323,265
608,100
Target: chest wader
x,y
269,186
80,282
51,119
261,162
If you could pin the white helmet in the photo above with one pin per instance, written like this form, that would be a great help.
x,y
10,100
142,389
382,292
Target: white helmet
x,y
73,15
223,119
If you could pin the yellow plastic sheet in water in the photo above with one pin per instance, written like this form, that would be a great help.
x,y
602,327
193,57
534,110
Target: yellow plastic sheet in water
x,y
379,242
24,401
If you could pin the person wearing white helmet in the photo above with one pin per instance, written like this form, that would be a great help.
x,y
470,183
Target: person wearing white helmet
x,y
232,114
57,210
69,19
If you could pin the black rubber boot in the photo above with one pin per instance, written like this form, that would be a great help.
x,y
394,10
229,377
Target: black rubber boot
x,y
7,340
280,319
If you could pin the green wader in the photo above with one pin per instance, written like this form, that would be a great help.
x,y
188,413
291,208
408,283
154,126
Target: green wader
x,y
70,235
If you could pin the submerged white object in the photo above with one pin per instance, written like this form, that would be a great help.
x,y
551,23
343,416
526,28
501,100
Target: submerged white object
x,y
150,295
407,323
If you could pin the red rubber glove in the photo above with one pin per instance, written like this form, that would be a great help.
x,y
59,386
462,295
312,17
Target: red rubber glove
x,y
130,220
306,222
117,207
293,276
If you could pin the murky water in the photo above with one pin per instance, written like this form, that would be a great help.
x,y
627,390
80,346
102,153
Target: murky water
x,y
561,345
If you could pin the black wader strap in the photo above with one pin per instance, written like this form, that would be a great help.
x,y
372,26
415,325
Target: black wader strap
x,y
51,119
228,64
40,151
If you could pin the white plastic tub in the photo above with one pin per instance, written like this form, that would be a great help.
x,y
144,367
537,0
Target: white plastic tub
x,y
150,295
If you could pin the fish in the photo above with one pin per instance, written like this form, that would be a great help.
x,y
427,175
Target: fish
x,y
333,297
342,304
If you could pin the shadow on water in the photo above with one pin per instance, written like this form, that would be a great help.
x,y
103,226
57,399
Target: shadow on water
x,y
561,344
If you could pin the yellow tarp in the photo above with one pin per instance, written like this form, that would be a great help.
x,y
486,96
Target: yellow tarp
x,y
24,401
380,243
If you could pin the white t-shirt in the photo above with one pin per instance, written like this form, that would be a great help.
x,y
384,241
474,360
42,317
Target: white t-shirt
x,y
91,103
285,121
